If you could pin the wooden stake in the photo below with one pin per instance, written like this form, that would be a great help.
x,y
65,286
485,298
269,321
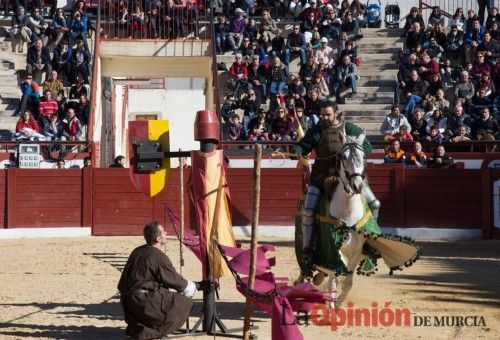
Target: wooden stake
x,y
181,198
253,245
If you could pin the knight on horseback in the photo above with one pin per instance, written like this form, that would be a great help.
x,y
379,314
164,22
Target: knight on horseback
x,y
327,138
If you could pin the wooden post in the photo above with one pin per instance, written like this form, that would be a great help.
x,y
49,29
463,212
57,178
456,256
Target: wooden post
x,y
253,246
181,212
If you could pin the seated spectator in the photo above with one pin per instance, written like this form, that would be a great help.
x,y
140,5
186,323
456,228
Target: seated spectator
x,y
428,68
307,71
462,135
295,44
349,50
447,74
464,88
61,60
471,16
118,162
83,110
393,122
350,26
436,102
54,86
281,126
434,49
234,129
417,157
79,30
30,95
414,92
435,84
77,89
487,85
257,77
458,20
436,17
227,108
256,135
267,24
439,35
250,106
454,46
490,47
440,159
277,101
80,61
251,30
479,102
479,67
493,17
38,26
325,54
261,123
457,120
347,75
221,33
394,154
277,77
472,39
302,120
404,74
402,135
486,127
27,128
38,61
318,83
20,33
313,106
437,119
87,162
309,8
415,36
239,76
246,49
61,164
295,88
278,46
47,107
434,135
330,24
309,25
53,130
418,125
72,126
237,28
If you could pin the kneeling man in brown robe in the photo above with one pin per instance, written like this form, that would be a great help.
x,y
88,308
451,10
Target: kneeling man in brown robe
x,y
151,309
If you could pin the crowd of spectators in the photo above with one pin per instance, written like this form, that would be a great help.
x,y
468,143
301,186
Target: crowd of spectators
x,y
57,57
448,82
279,105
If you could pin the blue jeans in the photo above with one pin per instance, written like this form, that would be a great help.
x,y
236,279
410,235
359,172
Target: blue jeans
x,y
411,102
261,88
246,123
277,87
301,52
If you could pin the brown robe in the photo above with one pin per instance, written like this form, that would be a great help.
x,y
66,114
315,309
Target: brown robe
x,y
151,309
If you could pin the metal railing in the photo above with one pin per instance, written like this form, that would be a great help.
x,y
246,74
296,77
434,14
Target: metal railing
x,y
128,20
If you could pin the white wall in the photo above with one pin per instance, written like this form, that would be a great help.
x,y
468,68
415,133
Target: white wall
x,y
119,147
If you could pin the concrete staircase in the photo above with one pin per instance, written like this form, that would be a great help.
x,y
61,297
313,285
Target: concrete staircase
x,y
378,50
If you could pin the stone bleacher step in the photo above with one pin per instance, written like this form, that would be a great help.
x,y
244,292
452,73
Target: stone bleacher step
x,y
373,89
370,100
375,50
385,57
381,32
365,113
387,70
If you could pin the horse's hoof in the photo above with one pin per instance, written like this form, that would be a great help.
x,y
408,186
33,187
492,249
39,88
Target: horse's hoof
x,y
319,278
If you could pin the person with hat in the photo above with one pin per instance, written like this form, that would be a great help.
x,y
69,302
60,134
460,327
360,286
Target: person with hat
x,y
325,54
454,44
237,27
329,23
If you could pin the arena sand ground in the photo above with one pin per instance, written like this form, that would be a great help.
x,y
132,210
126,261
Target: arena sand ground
x,y
66,289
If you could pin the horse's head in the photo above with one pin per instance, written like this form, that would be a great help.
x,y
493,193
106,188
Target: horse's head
x,y
352,170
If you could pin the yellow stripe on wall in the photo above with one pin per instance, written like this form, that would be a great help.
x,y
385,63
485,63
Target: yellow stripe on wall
x,y
159,130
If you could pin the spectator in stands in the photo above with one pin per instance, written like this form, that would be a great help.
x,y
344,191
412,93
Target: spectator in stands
x,y
330,24
295,44
118,162
434,135
404,73
54,86
394,154
486,127
417,156
277,77
227,108
259,127
237,27
319,84
402,135
138,22
61,60
414,92
313,106
234,129
436,18
471,16
414,37
83,110
437,119
38,60
464,88
38,26
80,60
435,84
281,126
77,89
47,107
413,17
278,46
250,106
458,20
493,17
53,130
307,71
325,54
60,28
61,164
267,24
472,39
479,67
27,128
447,74
246,49
251,30
20,33
418,125
79,30
484,5
239,76
461,136
123,18
221,34
296,89
30,97
302,120
347,75
87,162
435,50
72,126
454,45
393,122
491,49
479,102
309,25
436,102
428,68
351,26
457,120
257,77
440,159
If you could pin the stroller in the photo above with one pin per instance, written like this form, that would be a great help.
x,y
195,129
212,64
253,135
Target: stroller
x,y
392,15
373,14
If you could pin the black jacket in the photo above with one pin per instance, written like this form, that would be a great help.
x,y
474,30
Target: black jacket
x,y
32,56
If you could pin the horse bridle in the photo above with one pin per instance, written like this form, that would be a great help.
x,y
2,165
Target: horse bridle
x,y
340,159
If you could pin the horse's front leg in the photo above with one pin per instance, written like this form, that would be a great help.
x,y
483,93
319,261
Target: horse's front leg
x,y
332,291
352,254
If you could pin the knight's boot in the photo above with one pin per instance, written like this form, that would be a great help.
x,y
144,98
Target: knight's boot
x,y
313,196
373,202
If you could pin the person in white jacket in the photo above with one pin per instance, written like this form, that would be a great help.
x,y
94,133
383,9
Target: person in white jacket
x,y
393,121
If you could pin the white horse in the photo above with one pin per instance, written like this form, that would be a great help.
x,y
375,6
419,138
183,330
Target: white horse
x,y
346,205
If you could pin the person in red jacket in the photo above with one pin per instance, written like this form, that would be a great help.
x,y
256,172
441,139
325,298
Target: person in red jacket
x,y
47,107
428,68
72,126
27,128
239,76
